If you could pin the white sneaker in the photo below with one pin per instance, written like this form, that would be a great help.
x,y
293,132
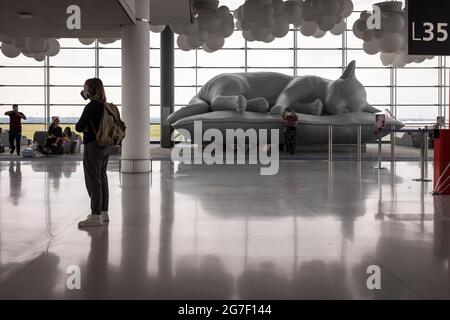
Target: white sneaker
x,y
105,216
93,220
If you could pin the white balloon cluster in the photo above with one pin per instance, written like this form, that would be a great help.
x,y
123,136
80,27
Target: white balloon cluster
x,y
209,30
391,41
36,47
89,41
265,20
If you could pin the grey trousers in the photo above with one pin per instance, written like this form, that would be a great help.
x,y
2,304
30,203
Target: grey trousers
x,y
95,163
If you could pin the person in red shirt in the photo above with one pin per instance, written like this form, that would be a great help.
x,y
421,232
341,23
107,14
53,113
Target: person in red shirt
x,y
15,128
290,120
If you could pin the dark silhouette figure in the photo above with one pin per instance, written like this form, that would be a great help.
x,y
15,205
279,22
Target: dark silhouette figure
x,y
15,128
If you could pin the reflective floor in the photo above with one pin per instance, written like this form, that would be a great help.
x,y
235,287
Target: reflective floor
x,y
225,232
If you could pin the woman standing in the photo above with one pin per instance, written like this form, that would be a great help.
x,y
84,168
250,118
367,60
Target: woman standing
x,y
95,157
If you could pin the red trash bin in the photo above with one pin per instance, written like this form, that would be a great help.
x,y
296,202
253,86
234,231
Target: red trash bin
x,y
442,162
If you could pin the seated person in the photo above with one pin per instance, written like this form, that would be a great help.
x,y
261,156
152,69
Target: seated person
x,y
54,142
290,120
66,137
68,141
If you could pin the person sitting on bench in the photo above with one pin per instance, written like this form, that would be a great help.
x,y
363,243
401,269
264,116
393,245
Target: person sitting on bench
x,y
54,142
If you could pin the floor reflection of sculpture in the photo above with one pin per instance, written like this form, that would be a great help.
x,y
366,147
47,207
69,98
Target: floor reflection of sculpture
x,y
307,196
15,182
261,197
263,280
267,196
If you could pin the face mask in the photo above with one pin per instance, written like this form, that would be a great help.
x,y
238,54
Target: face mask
x,y
84,95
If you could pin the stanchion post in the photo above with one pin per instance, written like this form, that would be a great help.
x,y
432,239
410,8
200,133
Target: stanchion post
x,y
379,149
330,143
359,142
423,152
380,137
393,143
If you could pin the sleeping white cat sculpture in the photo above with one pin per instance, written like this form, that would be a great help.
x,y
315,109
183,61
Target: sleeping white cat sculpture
x,y
316,95
235,91
306,94
256,101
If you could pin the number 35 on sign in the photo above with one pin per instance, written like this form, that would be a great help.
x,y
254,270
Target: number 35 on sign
x,y
431,32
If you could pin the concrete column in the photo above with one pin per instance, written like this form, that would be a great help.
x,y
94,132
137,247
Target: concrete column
x,y
167,85
136,91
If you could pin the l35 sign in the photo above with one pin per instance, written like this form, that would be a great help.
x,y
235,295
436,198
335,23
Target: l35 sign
x,y
428,27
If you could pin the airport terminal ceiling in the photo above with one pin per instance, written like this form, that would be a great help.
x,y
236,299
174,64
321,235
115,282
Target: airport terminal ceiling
x,y
101,18
49,18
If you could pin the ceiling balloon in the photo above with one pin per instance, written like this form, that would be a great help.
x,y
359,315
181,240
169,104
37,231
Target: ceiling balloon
x,y
183,43
35,45
391,40
53,47
39,57
209,30
31,47
107,40
87,41
10,50
264,20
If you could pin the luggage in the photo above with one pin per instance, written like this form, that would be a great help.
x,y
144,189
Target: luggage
x,y
28,153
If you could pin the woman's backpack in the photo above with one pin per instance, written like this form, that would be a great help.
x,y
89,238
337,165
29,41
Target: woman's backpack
x,y
112,128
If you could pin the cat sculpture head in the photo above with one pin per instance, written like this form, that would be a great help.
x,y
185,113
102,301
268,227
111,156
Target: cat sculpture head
x,y
346,94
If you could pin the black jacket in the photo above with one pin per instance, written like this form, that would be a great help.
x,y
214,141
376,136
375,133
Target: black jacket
x,y
90,119
55,131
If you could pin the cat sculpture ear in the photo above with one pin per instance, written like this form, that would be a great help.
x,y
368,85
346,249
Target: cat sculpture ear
x,y
349,73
